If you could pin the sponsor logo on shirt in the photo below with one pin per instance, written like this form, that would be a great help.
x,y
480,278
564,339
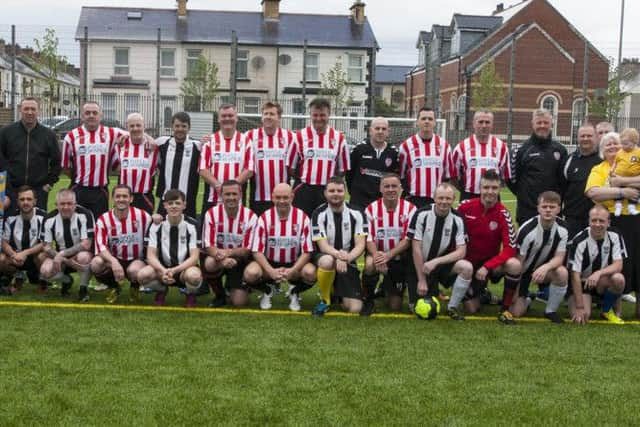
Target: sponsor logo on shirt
x,y
270,154
227,157
320,153
125,239
136,163
87,150
282,242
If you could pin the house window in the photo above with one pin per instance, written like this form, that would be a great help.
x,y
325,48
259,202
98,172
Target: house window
x,y
131,103
397,97
242,64
577,117
355,70
192,59
550,103
252,105
167,62
109,106
298,109
121,61
311,68
168,113
377,91
462,112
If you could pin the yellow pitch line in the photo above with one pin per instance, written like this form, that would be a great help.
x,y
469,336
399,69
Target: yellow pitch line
x,y
255,311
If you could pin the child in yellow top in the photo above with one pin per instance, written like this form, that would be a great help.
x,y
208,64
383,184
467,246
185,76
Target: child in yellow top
x,y
627,164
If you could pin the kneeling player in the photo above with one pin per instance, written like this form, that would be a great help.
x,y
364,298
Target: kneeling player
x,y
438,248
172,252
388,220
21,245
542,246
120,235
281,250
226,238
70,228
340,233
491,247
595,261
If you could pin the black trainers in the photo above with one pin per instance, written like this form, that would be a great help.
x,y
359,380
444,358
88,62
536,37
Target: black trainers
x,y
218,301
66,282
455,313
554,317
506,318
83,294
368,306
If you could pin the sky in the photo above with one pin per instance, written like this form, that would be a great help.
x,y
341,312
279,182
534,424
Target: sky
x,y
396,24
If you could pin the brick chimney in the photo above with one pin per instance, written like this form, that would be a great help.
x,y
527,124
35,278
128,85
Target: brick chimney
x,y
182,8
271,10
499,9
357,12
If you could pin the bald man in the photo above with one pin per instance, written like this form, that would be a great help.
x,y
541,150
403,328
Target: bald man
x,y
370,160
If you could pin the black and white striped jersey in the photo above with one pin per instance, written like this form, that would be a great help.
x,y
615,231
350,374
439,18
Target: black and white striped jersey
x,y
174,242
588,255
178,168
339,228
68,232
23,234
439,234
537,246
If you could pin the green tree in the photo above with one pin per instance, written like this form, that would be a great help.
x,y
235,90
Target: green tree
x,y
336,86
200,86
487,90
49,63
609,104
383,108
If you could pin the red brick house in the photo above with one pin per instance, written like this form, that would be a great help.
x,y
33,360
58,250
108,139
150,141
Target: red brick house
x,y
547,68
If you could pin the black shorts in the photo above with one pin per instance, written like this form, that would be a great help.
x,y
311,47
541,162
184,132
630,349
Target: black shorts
x,y
234,276
30,268
477,287
144,201
399,273
347,285
443,275
593,292
96,199
308,197
525,281
259,207
420,202
108,278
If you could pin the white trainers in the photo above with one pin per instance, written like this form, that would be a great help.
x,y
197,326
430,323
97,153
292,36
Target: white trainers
x,y
618,208
630,298
294,302
265,301
633,209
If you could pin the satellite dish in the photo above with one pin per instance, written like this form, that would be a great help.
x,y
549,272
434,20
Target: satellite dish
x,y
257,62
284,59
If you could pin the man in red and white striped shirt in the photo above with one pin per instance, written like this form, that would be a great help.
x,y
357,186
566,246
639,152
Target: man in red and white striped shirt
x,y
119,244
227,232
317,153
478,153
88,153
225,156
138,163
269,146
388,247
425,160
281,248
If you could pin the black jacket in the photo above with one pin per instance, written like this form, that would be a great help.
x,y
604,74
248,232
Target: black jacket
x,y
367,167
536,167
29,157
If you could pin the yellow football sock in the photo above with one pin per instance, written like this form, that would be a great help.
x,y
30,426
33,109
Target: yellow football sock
x,y
325,284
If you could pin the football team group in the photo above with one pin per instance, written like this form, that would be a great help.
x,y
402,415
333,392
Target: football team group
x,y
274,213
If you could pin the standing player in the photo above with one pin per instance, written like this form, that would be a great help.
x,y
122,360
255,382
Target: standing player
x,y
226,237
492,246
478,153
138,164
172,252
281,250
89,152
119,249
425,160
438,249
269,145
320,152
21,245
542,247
595,261
388,220
339,232
178,163
225,156
70,229
370,160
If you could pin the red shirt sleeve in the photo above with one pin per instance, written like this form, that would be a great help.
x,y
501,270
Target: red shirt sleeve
x,y
503,217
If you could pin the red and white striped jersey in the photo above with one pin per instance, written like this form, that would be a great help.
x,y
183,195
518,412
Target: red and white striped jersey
x,y
269,154
123,238
225,159
91,154
387,228
472,158
223,232
320,156
425,164
138,166
283,240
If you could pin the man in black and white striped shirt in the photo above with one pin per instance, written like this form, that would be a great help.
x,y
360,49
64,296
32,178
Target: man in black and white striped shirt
x,y
70,229
595,262
542,246
339,232
173,252
21,245
438,243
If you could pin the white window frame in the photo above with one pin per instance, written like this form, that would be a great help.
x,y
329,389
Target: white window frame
x,y
576,121
242,64
192,59
252,104
553,110
355,73
109,103
131,103
121,68
311,71
461,111
167,70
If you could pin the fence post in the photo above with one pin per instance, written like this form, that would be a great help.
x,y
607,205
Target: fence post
x,y
304,74
233,84
157,103
585,78
85,66
512,72
14,109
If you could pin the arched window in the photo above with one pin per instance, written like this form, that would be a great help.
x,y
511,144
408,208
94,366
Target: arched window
x,y
579,111
550,102
462,112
